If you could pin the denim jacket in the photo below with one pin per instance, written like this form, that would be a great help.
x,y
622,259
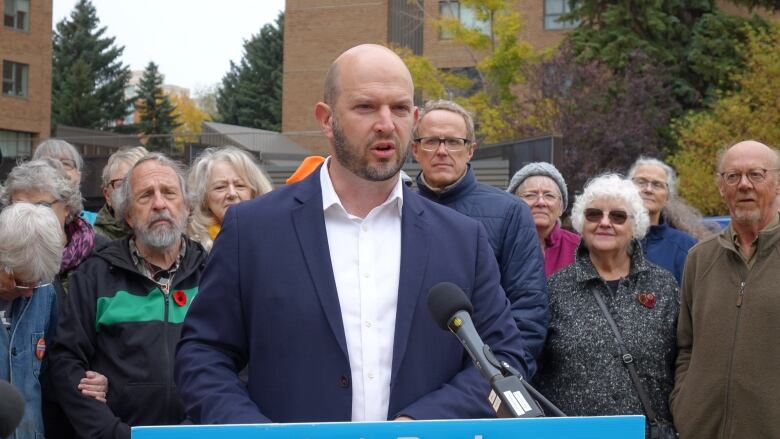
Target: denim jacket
x,y
22,354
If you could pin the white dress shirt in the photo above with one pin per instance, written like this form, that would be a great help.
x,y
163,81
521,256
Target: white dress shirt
x,y
366,258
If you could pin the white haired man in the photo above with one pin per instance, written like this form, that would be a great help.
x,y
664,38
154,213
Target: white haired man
x,y
726,382
126,304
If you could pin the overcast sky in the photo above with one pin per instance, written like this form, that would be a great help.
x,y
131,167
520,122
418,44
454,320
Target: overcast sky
x,y
193,41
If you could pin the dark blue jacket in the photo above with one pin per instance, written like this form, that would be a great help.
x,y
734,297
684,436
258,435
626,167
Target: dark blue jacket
x,y
512,235
668,247
268,299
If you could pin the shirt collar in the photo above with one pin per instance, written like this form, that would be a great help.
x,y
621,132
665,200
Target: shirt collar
x,y
330,198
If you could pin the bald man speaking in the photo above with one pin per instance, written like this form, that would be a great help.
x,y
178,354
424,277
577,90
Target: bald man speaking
x,y
320,287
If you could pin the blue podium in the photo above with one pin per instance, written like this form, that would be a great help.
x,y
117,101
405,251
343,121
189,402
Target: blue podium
x,y
602,427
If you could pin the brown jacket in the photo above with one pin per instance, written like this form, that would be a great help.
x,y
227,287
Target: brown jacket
x,y
727,378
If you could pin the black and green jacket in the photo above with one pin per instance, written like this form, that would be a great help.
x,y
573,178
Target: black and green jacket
x,y
119,323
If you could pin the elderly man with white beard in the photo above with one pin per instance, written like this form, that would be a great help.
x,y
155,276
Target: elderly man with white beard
x,y
123,314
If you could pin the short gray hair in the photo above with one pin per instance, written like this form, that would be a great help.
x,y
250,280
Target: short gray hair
x,y
611,186
45,175
31,241
671,175
123,195
128,155
58,148
443,104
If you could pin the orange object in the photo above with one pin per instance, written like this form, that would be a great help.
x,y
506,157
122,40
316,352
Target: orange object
x,y
307,166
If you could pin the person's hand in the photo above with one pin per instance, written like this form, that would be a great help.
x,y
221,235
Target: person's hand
x,y
94,385
403,418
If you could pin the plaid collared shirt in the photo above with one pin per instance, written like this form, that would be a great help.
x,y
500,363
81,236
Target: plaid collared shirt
x,y
162,277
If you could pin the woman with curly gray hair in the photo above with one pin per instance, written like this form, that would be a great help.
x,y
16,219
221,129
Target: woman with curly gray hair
x,y
45,183
610,282
219,178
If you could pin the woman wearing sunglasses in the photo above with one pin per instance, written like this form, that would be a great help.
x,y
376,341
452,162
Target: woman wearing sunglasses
x,y
584,369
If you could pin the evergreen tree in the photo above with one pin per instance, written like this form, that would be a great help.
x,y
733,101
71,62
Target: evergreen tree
x,y
158,119
251,92
692,38
88,78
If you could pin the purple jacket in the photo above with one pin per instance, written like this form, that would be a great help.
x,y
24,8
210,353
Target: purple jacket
x,y
560,246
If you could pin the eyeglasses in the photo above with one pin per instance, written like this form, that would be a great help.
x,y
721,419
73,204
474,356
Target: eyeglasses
x,y
23,285
431,143
756,176
68,164
656,185
531,197
112,184
618,217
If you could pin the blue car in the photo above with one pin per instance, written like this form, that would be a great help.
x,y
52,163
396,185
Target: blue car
x,y
721,221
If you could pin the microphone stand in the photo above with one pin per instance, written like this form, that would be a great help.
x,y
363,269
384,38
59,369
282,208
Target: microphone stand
x,y
508,371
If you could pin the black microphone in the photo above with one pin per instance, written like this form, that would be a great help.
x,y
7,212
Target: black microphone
x,y
11,408
451,310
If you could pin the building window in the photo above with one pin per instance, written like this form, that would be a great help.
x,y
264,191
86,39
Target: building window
x,y
466,15
14,79
553,9
16,14
15,143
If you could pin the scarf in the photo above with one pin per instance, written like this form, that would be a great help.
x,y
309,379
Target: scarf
x,y
81,240
214,231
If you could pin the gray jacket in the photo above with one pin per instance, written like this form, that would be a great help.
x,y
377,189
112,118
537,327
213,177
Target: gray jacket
x,y
581,370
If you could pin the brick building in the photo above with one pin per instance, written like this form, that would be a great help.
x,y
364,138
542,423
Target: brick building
x,y
316,31
25,54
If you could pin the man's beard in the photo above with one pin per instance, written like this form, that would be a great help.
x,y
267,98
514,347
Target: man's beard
x,y
349,156
747,216
163,235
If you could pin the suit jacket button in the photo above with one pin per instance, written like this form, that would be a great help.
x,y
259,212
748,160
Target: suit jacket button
x,y
344,381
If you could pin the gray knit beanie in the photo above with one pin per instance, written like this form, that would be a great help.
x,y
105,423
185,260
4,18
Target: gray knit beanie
x,y
543,169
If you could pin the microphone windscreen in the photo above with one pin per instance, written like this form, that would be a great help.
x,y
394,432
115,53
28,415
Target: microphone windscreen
x,y
444,300
11,408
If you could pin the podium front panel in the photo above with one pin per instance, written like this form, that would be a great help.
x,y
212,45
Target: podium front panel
x,y
602,427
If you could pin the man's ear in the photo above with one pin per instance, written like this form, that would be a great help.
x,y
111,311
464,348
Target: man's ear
x,y
416,150
324,114
471,149
106,197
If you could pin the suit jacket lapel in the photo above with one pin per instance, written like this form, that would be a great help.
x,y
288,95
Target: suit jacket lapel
x,y
309,223
414,257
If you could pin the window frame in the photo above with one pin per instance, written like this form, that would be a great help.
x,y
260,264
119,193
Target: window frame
x,y
17,142
484,27
551,21
12,6
19,80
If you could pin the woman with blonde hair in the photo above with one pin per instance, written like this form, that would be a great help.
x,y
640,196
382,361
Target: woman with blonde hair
x,y
219,178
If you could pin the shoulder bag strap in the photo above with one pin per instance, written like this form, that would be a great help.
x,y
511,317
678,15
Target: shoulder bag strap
x,y
628,361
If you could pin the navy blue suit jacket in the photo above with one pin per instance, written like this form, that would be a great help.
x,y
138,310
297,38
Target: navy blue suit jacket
x,y
268,300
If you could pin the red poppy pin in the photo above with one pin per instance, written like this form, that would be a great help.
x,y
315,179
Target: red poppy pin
x,y
180,297
40,349
646,299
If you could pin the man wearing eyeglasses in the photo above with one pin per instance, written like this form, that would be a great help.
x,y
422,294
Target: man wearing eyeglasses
x,y
106,223
444,142
726,380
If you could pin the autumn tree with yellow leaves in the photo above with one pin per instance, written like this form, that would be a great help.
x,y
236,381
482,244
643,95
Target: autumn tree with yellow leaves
x,y
750,112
